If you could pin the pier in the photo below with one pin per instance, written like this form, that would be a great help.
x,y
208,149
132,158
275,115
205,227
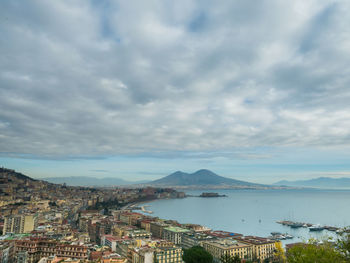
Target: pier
x,y
312,227
143,209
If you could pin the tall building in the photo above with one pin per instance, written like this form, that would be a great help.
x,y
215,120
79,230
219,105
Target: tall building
x,y
6,252
19,224
174,234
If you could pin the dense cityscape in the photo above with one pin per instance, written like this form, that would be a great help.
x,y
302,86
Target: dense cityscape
x,y
44,222
179,131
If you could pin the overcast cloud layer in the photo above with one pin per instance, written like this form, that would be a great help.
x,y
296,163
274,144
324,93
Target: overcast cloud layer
x,y
80,78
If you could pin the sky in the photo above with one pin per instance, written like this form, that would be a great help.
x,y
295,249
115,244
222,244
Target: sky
x,y
252,90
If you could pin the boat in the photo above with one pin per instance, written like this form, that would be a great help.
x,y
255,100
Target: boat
x,y
316,228
296,225
275,233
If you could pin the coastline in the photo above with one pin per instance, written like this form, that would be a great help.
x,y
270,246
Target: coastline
x,y
245,211
140,204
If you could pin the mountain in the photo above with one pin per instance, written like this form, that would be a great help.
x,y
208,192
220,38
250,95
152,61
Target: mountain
x,y
321,182
90,181
199,179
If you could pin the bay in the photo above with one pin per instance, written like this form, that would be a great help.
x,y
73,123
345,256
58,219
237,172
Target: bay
x,y
255,212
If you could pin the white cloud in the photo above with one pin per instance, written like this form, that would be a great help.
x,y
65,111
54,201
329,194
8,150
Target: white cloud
x,y
83,78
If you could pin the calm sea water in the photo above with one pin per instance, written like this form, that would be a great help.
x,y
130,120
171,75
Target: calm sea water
x,y
255,212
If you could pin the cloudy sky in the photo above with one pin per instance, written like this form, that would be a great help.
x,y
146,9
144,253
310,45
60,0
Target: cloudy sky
x,y
255,90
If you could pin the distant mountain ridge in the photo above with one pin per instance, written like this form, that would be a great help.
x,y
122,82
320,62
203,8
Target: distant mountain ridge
x,y
201,177
90,181
320,182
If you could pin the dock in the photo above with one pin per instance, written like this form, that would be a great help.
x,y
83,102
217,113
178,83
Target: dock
x,y
294,224
143,209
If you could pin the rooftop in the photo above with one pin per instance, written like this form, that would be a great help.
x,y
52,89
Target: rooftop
x,y
176,229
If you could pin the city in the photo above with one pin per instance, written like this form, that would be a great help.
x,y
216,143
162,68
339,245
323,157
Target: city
x,y
44,222
184,131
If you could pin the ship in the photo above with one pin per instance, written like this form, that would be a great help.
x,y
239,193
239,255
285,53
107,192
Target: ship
x,y
296,225
316,228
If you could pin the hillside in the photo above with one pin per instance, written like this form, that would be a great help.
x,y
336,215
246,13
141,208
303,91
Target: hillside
x,y
200,178
321,182
8,173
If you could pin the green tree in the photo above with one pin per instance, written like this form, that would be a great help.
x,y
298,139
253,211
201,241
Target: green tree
x,y
197,255
226,258
279,254
343,244
314,253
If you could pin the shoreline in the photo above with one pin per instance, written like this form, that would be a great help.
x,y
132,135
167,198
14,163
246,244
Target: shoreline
x,y
140,203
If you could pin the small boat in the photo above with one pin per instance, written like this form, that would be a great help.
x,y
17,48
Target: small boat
x,y
275,233
296,225
316,228
288,236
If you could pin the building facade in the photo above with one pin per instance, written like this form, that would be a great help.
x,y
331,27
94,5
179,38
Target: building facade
x,y
19,224
263,248
174,234
221,247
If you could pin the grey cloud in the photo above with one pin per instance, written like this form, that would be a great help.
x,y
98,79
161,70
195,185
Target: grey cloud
x,y
92,79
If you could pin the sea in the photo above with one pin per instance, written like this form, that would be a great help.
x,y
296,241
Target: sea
x,y
256,212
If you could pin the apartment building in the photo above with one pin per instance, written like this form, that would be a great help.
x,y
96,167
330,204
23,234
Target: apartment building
x,y
191,239
174,234
19,224
262,248
168,255
156,228
36,248
160,255
221,247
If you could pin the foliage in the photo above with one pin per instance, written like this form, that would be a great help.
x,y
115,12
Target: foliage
x,y
279,255
197,255
226,258
314,253
343,244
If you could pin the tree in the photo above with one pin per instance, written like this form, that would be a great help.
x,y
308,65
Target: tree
x,y
343,244
279,255
226,258
313,252
197,254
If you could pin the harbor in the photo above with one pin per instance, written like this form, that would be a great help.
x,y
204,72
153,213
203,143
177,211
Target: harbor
x,y
311,227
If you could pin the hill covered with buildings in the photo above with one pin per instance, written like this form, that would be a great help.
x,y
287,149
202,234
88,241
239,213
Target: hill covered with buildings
x,y
45,222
